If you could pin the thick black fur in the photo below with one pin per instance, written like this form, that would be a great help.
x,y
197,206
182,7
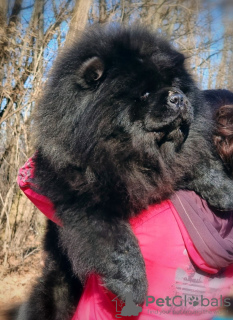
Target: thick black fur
x,y
112,139
217,98
57,291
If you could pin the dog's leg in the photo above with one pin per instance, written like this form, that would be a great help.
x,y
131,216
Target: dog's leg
x,y
94,243
56,293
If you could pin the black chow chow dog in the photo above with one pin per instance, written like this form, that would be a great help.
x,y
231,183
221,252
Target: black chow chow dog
x,y
121,125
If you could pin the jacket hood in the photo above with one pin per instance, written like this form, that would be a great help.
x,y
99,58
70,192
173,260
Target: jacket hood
x,y
210,231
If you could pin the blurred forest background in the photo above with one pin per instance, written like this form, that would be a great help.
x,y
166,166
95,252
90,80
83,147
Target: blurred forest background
x,y
31,33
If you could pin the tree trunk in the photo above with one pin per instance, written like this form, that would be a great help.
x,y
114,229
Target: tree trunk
x,y
79,20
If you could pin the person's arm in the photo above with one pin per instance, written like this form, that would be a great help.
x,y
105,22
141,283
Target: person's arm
x,y
26,184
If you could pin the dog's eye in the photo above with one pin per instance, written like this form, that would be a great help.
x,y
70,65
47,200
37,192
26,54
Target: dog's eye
x,y
144,96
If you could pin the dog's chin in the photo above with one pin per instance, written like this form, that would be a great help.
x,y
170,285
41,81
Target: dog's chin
x,y
174,134
178,136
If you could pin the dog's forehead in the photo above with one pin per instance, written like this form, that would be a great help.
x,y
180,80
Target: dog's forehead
x,y
139,53
133,56
125,43
148,52
139,50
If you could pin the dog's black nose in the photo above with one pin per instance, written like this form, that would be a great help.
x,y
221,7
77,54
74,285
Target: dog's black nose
x,y
176,99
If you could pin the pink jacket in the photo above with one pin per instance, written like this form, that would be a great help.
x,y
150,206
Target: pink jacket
x,y
181,284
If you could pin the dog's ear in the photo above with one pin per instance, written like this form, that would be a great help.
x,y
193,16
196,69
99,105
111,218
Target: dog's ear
x,y
90,72
168,60
178,59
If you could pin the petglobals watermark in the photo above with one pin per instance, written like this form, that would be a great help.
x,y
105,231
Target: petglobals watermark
x,y
179,301
187,304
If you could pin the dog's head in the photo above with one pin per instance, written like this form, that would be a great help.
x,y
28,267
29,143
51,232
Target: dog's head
x,y
117,94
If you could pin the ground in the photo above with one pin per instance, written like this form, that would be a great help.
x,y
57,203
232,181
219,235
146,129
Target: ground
x,y
21,258
15,283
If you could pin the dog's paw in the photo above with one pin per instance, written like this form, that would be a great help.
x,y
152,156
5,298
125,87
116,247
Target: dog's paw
x,y
223,201
213,185
126,272
137,286
221,197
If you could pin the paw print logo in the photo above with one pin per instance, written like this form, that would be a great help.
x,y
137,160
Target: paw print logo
x,y
194,301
